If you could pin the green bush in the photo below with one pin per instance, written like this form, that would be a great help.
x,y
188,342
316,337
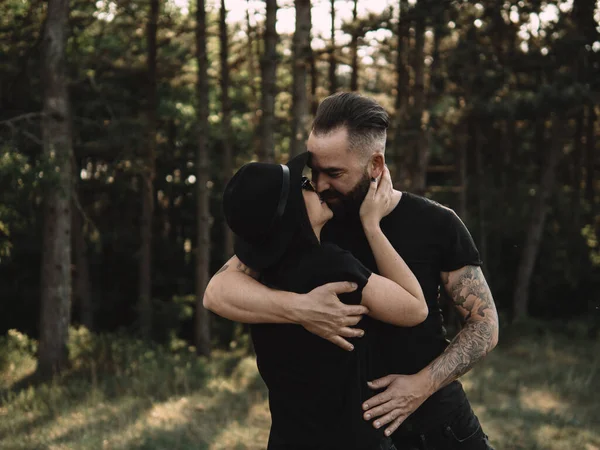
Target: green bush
x,y
131,365
15,347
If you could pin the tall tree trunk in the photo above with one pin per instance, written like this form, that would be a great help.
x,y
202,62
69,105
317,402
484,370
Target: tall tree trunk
x,y
332,61
590,156
269,87
399,149
202,331
537,221
436,74
354,49
508,144
226,120
481,194
577,168
461,172
82,293
314,82
301,52
252,52
422,144
58,148
148,175
253,49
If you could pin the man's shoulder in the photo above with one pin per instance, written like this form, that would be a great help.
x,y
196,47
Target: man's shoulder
x,y
417,204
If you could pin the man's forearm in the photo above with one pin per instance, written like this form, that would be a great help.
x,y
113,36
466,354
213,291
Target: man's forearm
x,y
233,293
473,300
471,344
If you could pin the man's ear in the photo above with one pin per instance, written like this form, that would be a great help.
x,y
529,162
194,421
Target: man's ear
x,y
376,165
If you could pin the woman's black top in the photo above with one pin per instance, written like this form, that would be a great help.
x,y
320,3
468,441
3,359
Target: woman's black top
x,y
316,389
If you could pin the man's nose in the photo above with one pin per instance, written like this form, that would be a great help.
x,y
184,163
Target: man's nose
x,y
320,183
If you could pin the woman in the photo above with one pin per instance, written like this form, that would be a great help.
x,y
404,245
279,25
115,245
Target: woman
x,y
315,388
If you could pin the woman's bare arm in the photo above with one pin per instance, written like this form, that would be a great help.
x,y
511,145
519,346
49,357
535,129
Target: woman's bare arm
x,y
399,299
396,296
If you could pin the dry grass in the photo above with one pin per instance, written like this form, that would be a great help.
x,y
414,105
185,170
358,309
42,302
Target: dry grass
x,y
538,393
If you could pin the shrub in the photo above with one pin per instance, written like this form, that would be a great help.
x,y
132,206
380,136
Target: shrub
x,y
15,347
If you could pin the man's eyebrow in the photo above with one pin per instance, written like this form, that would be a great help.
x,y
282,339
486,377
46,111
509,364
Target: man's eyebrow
x,y
331,169
325,169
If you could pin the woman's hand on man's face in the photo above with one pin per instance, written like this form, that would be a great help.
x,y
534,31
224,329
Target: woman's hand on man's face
x,y
378,202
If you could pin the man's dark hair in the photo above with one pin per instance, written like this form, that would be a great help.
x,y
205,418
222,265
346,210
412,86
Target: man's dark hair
x,y
364,118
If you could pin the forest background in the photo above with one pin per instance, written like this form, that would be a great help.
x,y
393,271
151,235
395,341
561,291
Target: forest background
x,y
121,121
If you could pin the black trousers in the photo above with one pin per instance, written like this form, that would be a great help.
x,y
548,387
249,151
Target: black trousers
x,y
462,431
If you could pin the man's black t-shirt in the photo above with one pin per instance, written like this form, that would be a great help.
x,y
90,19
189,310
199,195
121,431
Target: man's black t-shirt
x,y
431,239
315,388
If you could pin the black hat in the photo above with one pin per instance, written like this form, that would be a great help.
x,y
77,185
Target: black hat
x,y
263,205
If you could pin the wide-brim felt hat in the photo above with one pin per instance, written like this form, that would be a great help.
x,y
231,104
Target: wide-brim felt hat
x,y
263,205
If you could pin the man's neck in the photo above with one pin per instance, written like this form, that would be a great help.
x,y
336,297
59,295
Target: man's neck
x,y
396,197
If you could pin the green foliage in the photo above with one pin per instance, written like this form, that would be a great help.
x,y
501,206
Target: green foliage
x,y
493,75
16,347
135,366
19,184
591,239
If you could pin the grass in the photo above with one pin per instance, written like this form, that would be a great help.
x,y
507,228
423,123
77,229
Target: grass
x,y
535,391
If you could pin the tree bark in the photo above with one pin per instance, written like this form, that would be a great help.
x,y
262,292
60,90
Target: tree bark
x,y
421,157
301,52
253,50
577,171
354,49
461,172
538,220
590,156
399,148
82,293
269,86
226,120
314,81
332,61
481,195
147,178
202,330
58,149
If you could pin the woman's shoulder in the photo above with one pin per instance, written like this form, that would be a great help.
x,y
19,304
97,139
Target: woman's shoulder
x,y
330,250
335,259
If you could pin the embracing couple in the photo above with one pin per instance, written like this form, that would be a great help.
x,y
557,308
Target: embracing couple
x,y
339,276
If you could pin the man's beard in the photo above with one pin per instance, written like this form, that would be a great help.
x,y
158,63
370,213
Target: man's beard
x,y
347,206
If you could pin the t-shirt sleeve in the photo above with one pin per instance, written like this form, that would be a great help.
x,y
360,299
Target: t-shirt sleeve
x,y
341,265
459,249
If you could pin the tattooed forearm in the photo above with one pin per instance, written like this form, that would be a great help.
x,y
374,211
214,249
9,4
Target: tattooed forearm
x,y
472,298
469,346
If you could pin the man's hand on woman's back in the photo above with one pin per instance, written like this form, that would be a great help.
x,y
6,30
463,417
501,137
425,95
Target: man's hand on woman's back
x,y
323,314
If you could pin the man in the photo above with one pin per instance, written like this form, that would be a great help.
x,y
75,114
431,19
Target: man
x,y
420,401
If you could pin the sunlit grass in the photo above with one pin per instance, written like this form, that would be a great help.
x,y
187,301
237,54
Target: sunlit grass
x,y
533,392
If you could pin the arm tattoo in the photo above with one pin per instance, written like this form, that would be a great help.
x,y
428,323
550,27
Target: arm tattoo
x,y
247,270
473,299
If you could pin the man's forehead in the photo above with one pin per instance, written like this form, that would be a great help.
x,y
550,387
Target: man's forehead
x,y
321,163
